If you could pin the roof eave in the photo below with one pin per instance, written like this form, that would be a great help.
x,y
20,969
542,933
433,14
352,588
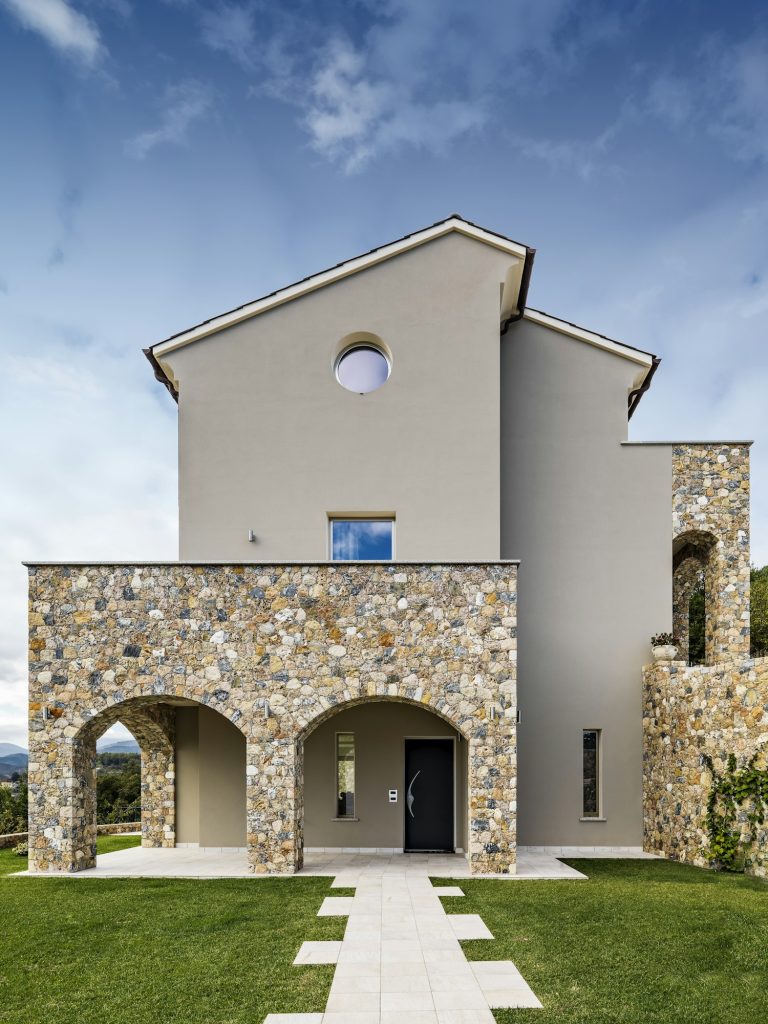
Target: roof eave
x,y
451,224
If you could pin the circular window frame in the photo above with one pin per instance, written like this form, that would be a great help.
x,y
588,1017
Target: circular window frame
x,y
361,339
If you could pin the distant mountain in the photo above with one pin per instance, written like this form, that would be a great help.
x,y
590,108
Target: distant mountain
x,y
12,763
119,747
6,749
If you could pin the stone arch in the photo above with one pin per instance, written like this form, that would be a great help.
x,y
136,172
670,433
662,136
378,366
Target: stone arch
x,y
327,712
695,564
63,828
133,693
491,770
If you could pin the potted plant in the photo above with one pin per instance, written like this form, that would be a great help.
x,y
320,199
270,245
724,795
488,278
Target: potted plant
x,y
664,647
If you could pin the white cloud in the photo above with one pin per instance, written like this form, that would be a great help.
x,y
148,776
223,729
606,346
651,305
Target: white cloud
x,y
697,296
63,27
90,474
722,91
352,117
741,75
183,104
231,29
416,75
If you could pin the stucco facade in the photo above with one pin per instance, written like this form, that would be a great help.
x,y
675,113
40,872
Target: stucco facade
x,y
500,436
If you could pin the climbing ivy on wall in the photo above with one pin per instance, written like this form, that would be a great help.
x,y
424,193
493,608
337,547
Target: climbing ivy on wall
x,y
731,789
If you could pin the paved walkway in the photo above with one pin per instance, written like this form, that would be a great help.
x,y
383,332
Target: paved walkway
x,y
400,959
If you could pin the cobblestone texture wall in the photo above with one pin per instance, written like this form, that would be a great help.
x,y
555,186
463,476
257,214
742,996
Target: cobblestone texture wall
x,y
720,708
275,649
690,711
710,518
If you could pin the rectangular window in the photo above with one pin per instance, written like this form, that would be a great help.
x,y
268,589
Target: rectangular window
x,y
345,775
362,540
591,773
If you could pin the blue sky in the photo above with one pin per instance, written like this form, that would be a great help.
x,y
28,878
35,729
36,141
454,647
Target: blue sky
x,y
164,161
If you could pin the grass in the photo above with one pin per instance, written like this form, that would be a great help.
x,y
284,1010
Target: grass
x,y
138,951
646,941
643,941
11,862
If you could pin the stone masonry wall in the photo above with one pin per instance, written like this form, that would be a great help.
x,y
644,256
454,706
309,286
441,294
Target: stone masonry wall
x,y
722,707
690,711
276,649
710,515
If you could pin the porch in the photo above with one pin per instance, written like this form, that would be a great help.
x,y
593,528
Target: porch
x,y
197,862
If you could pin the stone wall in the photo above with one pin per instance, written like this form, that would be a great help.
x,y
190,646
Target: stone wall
x,y
117,829
276,649
721,707
690,711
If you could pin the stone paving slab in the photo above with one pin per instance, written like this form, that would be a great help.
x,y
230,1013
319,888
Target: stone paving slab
x,y
318,952
293,1018
336,906
469,926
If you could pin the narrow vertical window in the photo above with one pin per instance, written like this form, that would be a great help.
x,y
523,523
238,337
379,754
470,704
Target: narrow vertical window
x,y
591,773
345,775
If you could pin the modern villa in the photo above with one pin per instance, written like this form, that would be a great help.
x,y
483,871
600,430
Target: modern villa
x,y
420,564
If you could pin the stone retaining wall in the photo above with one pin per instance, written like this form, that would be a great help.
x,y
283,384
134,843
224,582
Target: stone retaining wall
x,y
690,711
275,649
119,829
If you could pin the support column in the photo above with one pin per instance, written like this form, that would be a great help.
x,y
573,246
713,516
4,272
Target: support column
x,y
275,815
492,804
158,797
62,804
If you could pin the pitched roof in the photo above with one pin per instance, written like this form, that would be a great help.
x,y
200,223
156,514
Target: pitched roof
x,y
513,302
454,223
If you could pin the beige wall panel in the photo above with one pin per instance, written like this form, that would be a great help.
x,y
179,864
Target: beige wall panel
x,y
590,520
269,441
380,729
222,781
187,777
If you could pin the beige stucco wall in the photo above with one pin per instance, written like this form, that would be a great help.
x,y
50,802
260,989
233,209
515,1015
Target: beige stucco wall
x,y
187,776
591,521
210,779
380,729
269,441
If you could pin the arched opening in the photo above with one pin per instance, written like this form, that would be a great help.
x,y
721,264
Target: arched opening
x,y
385,775
118,780
193,776
694,595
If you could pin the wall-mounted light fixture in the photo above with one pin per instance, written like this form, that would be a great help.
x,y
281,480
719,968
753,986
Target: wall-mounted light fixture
x,y
251,537
266,708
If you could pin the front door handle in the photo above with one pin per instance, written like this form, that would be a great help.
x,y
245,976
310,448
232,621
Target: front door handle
x,y
410,797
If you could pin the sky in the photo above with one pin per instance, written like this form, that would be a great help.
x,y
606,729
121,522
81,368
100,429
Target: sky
x,y
165,160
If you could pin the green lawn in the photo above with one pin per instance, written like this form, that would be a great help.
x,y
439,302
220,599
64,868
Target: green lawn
x,y
11,862
133,951
640,941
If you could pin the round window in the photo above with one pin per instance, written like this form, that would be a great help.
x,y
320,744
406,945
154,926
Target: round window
x,y
362,368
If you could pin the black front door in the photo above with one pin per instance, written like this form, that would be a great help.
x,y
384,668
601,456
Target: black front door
x,y
429,795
